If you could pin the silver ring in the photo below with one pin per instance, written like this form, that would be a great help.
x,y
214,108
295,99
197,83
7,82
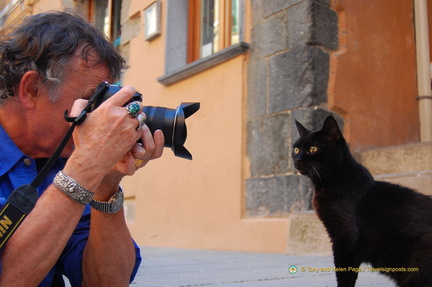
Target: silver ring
x,y
133,109
141,120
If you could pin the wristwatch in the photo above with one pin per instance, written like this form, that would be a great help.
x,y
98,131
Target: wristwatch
x,y
113,205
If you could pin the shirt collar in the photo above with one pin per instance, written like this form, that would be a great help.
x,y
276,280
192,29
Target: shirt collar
x,y
10,154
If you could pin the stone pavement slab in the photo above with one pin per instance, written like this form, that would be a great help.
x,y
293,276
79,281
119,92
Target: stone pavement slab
x,y
170,267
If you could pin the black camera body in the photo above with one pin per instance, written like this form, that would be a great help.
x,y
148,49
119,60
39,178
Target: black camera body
x,y
170,121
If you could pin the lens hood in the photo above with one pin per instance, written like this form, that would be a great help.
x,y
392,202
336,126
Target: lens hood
x,y
172,123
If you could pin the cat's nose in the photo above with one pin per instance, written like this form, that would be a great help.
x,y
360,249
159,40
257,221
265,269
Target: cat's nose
x,y
298,157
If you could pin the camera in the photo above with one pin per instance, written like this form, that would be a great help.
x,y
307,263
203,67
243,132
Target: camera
x,y
170,121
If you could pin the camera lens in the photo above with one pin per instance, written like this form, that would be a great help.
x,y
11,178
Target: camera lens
x,y
170,121
159,118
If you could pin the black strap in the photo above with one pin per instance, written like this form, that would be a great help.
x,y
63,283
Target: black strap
x,y
53,159
19,204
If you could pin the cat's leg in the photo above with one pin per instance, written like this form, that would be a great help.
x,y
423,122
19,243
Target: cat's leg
x,y
346,261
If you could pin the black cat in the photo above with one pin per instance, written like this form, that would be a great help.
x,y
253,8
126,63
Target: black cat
x,y
383,224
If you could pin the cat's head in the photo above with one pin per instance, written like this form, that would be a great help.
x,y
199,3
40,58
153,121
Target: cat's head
x,y
319,155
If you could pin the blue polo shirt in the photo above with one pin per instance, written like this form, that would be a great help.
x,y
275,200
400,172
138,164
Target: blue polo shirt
x,y
17,169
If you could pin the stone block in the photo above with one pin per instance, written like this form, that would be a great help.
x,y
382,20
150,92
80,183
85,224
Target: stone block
x,y
263,9
269,36
397,159
307,235
257,89
324,26
298,78
277,196
306,22
299,24
268,144
420,181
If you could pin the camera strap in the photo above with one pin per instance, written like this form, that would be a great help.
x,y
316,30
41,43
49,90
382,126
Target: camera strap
x,y
22,200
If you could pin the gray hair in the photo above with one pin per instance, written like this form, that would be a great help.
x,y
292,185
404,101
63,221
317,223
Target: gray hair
x,y
46,43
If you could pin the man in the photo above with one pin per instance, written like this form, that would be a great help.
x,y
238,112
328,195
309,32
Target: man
x,y
53,62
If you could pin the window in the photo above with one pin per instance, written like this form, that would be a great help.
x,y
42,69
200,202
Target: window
x,y
97,13
105,19
213,26
201,34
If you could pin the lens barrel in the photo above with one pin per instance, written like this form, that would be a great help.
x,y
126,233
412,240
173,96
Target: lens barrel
x,y
160,118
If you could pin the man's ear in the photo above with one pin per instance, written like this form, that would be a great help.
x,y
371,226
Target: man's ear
x,y
29,89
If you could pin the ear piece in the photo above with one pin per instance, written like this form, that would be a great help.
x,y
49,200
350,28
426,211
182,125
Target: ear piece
x,y
331,128
301,129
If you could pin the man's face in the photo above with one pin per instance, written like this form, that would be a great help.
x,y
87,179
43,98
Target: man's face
x,y
80,83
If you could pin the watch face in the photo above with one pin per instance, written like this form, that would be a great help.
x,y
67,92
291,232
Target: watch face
x,y
117,203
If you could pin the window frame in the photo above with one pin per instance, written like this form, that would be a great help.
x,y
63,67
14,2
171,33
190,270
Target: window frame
x,y
194,28
177,34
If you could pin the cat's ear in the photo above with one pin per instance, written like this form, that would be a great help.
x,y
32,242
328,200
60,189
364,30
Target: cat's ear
x,y
331,128
301,129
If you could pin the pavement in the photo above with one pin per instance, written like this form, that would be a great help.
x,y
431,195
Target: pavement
x,y
171,267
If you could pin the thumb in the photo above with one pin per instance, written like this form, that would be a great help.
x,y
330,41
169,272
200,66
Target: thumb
x,y
77,107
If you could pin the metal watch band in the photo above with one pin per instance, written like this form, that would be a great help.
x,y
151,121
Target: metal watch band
x,y
113,205
72,189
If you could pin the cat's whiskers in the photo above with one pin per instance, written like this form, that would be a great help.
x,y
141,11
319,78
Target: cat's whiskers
x,y
320,172
316,176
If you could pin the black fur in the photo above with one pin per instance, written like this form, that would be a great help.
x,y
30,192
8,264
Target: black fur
x,y
383,224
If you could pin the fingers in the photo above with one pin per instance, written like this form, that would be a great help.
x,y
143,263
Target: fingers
x,y
77,107
141,120
112,133
143,152
122,96
151,148
108,132
159,143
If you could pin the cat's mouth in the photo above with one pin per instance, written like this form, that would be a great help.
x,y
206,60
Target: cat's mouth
x,y
301,168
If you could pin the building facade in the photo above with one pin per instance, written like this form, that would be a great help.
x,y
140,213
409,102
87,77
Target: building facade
x,y
254,66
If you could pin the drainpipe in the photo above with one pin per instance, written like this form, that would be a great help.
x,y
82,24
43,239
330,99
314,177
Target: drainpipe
x,y
423,69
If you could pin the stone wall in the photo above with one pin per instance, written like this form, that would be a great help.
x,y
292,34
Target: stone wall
x,y
288,76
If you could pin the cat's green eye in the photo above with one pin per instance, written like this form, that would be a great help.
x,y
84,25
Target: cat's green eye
x,y
296,150
313,149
